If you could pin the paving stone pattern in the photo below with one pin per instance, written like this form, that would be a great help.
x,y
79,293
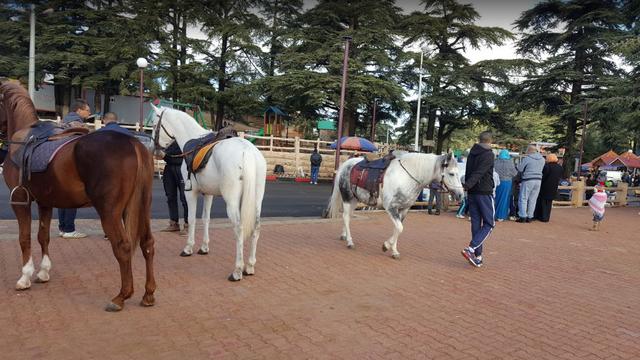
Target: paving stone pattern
x,y
547,291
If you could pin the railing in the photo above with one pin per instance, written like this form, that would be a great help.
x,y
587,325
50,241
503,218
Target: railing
x,y
619,195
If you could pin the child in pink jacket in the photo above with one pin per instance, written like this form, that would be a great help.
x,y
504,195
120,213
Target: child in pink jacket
x,y
597,203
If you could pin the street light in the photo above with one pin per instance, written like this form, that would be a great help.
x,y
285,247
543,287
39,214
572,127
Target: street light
x,y
417,147
436,125
345,63
142,63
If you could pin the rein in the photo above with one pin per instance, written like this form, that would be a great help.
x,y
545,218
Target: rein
x,y
408,173
156,137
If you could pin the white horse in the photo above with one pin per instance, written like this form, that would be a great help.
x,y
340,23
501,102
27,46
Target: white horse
x,y
404,179
236,170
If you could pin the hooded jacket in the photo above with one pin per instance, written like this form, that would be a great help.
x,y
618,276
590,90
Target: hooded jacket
x,y
479,172
531,167
316,159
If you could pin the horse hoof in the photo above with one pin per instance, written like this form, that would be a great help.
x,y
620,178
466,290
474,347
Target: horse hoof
x,y
201,252
113,307
184,254
21,286
41,281
396,256
233,278
147,302
351,246
384,248
342,237
245,273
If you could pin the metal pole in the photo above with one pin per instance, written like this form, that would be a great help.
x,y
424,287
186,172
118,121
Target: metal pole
x,y
32,53
417,147
584,138
141,99
373,122
345,63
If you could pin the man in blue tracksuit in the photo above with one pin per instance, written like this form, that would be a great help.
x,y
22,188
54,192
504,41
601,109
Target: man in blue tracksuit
x,y
479,185
110,121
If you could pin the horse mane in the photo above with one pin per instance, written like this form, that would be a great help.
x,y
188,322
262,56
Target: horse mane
x,y
422,164
16,104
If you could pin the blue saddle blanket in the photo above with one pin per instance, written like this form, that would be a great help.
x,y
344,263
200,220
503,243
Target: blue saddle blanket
x,y
45,152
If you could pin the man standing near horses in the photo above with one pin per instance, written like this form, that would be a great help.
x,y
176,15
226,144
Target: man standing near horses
x,y
80,110
316,161
174,187
479,185
110,121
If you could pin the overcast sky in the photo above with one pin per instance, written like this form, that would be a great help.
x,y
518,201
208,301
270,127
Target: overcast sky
x,y
501,13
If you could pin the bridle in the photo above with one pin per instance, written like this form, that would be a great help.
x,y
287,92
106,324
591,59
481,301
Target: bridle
x,y
443,167
156,133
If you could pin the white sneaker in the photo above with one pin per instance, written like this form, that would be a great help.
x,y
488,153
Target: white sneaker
x,y
60,233
460,216
74,235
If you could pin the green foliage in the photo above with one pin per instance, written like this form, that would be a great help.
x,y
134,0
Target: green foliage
x,y
459,90
573,43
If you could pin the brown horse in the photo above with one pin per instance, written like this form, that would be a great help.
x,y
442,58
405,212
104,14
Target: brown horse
x,y
110,171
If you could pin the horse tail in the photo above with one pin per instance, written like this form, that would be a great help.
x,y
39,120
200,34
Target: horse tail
x,y
138,208
248,207
335,202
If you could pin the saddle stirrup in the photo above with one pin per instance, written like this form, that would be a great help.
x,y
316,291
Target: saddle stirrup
x,y
21,203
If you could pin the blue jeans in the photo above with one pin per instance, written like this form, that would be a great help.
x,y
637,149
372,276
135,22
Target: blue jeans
x,y
463,209
314,174
482,211
529,191
67,220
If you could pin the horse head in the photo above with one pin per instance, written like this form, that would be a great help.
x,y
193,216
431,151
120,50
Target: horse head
x,y
450,175
162,132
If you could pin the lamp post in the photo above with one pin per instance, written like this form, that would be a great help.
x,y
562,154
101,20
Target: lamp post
x,y
373,122
142,64
345,63
436,125
417,147
32,52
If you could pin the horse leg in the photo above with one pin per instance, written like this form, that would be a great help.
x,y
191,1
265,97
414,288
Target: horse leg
x,y
206,219
250,268
43,238
346,218
397,216
233,212
148,251
23,214
192,203
121,246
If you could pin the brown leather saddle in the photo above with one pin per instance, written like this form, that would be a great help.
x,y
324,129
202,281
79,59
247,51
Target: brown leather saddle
x,y
198,151
369,175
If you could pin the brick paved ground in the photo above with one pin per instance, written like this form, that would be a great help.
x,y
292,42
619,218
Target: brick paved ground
x,y
547,291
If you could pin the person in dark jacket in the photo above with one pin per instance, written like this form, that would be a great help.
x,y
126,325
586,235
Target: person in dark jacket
x,y
434,193
174,187
316,161
110,121
551,175
479,186
80,110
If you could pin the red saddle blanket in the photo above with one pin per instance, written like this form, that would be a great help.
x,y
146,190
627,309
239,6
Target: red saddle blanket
x,y
369,175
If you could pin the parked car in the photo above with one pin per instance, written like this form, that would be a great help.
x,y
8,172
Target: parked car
x,y
564,194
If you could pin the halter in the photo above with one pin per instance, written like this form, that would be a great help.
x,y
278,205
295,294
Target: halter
x,y
156,137
443,166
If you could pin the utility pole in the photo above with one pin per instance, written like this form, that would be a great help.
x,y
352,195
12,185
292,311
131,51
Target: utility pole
x,y
345,67
584,137
373,122
417,146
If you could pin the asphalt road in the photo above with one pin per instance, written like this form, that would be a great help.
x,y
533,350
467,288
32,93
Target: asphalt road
x,y
281,199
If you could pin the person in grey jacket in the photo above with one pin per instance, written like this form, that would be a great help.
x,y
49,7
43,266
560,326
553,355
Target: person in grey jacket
x,y
530,169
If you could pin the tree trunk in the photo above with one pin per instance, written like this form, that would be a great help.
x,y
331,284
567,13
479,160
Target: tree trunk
x,y
222,73
570,135
441,138
175,23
